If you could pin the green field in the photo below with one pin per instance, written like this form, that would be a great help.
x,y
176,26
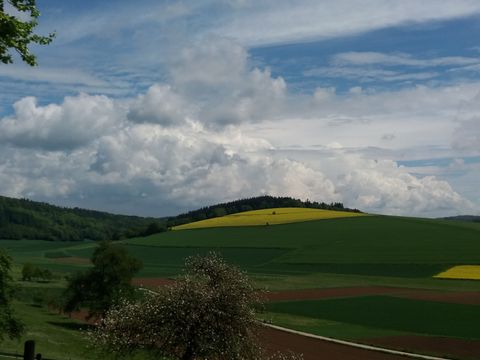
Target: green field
x,y
391,313
56,336
370,247
376,245
363,251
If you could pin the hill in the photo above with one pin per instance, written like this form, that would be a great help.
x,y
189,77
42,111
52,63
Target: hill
x,y
369,279
254,203
362,245
26,219
272,216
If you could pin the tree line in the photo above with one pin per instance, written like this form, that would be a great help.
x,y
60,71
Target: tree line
x,y
27,219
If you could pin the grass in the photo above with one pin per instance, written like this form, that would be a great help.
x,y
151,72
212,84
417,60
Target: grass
x,y
390,313
356,250
328,328
324,280
341,252
371,245
370,239
56,336
272,216
170,261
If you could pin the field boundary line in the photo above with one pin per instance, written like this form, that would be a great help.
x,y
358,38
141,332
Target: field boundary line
x,y
357,345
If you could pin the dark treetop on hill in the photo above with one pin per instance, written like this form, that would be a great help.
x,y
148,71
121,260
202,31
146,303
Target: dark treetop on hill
x,y
17,34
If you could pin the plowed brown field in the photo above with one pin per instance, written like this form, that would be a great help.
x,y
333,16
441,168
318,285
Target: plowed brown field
x,y
450,347
315,349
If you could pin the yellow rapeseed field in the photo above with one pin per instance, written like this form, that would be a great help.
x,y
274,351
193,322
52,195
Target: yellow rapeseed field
x,y
468,272
268,217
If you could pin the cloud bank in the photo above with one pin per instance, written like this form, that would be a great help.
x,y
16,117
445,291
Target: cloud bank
x,y
196,139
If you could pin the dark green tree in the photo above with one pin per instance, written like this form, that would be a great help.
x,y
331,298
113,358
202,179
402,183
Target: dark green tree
x,y
154,228
28,271
10,325
31,272
17,34
105,283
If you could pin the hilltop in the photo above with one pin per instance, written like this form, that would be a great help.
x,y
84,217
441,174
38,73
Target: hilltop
x,y
254,203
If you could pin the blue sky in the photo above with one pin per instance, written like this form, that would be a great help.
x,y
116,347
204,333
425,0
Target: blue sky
x,y
156,107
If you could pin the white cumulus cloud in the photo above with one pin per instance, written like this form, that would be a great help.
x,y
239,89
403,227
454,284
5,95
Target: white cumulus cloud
x,y
214,131
75,122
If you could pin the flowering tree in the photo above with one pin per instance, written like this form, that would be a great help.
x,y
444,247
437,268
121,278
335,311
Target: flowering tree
x,y
209,313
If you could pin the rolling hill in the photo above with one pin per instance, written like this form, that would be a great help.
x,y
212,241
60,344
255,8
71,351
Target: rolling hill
x,y
364,278
27,219
273,216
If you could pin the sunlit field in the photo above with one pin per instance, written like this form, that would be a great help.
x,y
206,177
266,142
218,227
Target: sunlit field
x,y
273,216
466,272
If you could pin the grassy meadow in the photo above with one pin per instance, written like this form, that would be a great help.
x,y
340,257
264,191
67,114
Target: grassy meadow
x,y
355,250
336,252
391,313
56,336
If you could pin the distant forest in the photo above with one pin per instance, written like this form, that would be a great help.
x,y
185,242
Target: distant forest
x,y
469,218
27,219
254,203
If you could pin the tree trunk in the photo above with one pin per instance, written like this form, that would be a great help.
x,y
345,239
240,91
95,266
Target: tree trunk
x,y
188,354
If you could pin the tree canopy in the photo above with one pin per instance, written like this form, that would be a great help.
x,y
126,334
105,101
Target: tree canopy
x,y
10,325
27,219
17,34
102,286
208,313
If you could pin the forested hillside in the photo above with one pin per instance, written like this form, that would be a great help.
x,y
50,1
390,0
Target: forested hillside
x,y
26,219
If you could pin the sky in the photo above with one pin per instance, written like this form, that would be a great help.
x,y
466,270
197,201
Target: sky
x,y
157,107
